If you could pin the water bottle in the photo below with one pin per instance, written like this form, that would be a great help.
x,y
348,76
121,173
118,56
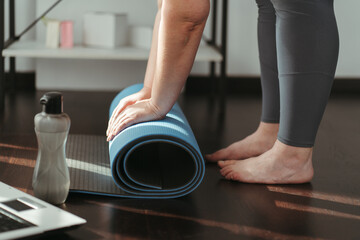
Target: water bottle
x,y
51,180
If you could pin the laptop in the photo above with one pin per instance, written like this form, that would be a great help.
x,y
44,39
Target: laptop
x,y
22,215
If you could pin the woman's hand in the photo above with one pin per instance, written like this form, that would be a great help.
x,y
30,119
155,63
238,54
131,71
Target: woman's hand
x,y
127,101
140,111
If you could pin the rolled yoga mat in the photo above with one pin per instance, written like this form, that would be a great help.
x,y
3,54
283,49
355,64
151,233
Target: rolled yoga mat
x,y
155,159
158,159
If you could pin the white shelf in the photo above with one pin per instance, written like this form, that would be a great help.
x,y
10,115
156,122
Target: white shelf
x,y
35,49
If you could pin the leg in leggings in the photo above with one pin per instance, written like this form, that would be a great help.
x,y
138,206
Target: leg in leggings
x,y
268,62
307,48
307,51
265,136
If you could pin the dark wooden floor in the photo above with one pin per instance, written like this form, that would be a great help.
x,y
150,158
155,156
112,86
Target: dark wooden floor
x,y
327,208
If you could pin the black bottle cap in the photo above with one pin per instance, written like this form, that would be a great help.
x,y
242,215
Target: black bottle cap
x,y
52,102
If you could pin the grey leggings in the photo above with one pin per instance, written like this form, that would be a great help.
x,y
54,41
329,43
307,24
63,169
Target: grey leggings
x,y
298,48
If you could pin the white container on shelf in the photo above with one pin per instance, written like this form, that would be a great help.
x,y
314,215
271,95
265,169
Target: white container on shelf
x,y
140,36
52,33
105,29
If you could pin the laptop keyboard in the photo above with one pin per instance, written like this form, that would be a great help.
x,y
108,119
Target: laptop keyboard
x,y
9,222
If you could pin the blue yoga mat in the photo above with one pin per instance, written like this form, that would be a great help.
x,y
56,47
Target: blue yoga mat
x,y
156,159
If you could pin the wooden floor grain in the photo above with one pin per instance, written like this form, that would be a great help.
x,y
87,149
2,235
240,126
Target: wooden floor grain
x,y
326,208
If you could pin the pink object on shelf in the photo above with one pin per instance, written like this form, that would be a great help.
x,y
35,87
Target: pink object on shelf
x,y
66,34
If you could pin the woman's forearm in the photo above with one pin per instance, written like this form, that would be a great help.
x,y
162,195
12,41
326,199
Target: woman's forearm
x,y
177,34
180,30
151,65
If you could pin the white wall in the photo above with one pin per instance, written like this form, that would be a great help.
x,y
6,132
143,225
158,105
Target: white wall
x,y
242,45
243,54
348,19
25,14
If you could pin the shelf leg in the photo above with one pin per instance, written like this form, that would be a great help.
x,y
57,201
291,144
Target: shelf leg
x,y
12,67
213,78
2,60
12,74
223,77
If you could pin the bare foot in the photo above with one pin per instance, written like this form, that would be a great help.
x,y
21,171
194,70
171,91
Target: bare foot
x,y
282,164
255,144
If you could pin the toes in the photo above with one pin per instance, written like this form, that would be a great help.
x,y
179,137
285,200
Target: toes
x,y
230,176
223,164
226,170
217,156
229,173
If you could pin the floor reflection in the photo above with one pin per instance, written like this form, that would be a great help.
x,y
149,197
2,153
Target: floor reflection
x,y
316,195
233,228
4,145
25,162
324,211
310,194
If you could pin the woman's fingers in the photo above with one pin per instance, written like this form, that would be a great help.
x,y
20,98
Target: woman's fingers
x,y
122,105
122,125
117,122
139,112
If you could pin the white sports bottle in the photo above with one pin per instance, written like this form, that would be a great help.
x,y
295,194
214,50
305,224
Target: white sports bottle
x,y
51,180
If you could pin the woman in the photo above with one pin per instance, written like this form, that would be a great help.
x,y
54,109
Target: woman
x,y
298,46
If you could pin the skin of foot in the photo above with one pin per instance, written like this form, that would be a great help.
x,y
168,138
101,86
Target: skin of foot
x,y
282,164
253,145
